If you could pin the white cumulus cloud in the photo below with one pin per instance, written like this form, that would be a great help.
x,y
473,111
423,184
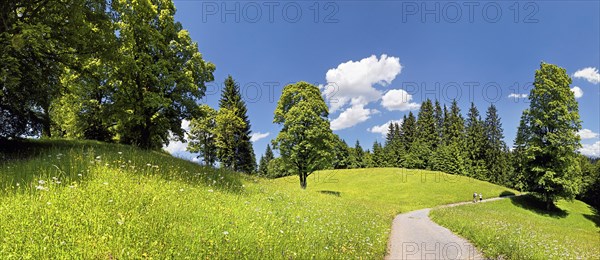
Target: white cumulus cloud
x,y
353,82
515,95
590,74
383,129
398,99
352,116
258,135
587,134
577,91
591,150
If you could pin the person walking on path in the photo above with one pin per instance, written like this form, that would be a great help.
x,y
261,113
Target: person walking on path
x,y
474,196
480,197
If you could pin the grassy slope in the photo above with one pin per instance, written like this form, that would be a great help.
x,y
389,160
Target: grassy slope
x,y
394,190
91,200
517,229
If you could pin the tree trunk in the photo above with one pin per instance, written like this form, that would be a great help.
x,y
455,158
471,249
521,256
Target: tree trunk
x,y
303,180
549,202
46,125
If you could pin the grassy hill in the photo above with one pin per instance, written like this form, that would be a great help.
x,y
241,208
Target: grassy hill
x,y
518,228
72,199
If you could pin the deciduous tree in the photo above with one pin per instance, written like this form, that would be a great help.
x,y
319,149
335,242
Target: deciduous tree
x,y
305,141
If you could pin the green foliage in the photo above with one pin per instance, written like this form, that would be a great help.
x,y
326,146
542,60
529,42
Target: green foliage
x,y
263,167
496,154
227,125
305,141
475,141
277,169
341,154
394,149
202,135
519,228
549,137
231,99
409,131
38,39
160,72
357,158
378,156
83,111
590,192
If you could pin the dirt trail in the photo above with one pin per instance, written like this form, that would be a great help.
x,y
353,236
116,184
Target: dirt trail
x,y
415,236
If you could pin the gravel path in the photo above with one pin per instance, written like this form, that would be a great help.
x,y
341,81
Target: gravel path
x,y
415,236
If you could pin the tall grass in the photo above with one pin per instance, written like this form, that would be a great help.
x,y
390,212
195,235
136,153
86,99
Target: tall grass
x,y
72,199
521,228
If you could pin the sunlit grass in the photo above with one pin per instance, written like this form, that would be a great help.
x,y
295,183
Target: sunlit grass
x,y
68,199
394,190
519,228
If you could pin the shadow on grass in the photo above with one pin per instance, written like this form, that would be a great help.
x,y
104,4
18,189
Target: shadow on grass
x,y
594,217
506,193
330,192
536,205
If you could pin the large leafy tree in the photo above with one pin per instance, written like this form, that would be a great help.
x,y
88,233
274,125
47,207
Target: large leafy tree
x,y
38,40
231,99
202,135
305,141
160,72
552,169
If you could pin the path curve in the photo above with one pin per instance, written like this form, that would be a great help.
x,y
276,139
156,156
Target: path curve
x,y
415,236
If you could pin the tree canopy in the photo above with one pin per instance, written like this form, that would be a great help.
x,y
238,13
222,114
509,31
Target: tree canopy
x,y
305,141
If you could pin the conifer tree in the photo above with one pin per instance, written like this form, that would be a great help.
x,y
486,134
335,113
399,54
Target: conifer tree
x,y
425,135
495,151
474,143
263,166
243,151
409,129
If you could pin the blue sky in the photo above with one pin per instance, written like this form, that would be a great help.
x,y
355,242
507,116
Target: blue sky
x,y
377,60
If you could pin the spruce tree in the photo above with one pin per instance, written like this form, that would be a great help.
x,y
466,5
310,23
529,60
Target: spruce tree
x,y
263,166
379,159
438,115
495,149
426,134
453,152
358,154
393,150
244,152
409,129
474,143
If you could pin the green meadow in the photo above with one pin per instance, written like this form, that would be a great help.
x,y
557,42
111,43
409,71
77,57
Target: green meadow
x,y
83,199
518,228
